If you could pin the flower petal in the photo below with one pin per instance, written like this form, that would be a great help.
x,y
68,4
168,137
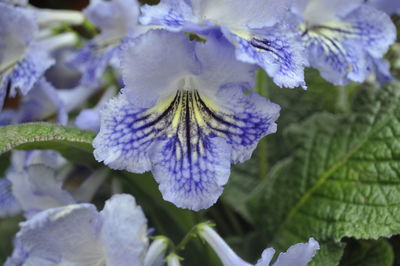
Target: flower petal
x,y
172,14
245,119
8,204
92,60
36,189
88,119
145,80
126,135
340,50
192,171
115,19
28,71
60,236
277,50
124,231
238,14
266,257
299,254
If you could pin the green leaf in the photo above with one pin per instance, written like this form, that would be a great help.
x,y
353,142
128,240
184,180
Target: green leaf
x,y
8,229
343,178
368,253
329,254
72,143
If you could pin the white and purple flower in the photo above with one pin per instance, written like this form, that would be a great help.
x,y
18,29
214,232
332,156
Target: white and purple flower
x,y
79,235
345,39
184,115
299,254
261,31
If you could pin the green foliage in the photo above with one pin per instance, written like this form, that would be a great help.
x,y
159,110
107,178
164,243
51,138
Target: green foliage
x,y
368,253
8,228
74,144
342,179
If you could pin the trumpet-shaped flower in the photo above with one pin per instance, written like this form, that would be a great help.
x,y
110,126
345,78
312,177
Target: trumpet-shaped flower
x,y
25,45
256,28
22,62
118,22
342,36
299,254
184,115
79,235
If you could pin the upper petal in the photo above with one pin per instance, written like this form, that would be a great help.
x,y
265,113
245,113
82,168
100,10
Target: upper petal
x,y
153,65
172,14
115,19
319,11
219,67
17,30
277,50
341,49
238,14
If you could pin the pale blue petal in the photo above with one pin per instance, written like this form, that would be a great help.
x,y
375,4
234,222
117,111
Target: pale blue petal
x,y
8,204
374,28
341,50
88,119
298,254
28,71
92,61
172,14
42,102
338,63
115,19
266,257
124,231
80,235
277,50
7,117
381,69
238,14
36,188
15,2
246,119
388,6
62,75
153,63
20,160
60,236
227,256
125,136
219,67
320,11
17,32
76,97
191,171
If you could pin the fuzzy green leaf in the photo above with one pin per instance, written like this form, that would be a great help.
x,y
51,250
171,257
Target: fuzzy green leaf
x,y
343,178
72,143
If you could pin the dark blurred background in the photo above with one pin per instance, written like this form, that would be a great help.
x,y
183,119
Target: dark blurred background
x,y
73,4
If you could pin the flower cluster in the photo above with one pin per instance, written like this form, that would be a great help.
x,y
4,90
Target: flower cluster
x,y
186,110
